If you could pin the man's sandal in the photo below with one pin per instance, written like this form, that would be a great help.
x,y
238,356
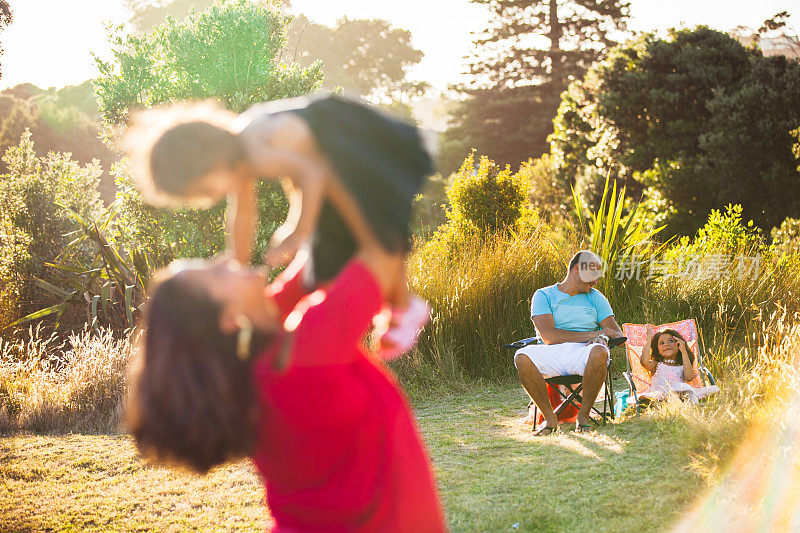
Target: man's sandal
x,y
544,431
583,428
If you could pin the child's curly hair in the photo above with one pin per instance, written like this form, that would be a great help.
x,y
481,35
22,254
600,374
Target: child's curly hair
x,y
170,148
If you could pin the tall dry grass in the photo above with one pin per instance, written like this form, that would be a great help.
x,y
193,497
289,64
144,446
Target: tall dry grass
x,y
78,384
480,290
757,394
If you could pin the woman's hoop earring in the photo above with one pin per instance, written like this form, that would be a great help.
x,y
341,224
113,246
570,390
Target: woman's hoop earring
x,y
245,337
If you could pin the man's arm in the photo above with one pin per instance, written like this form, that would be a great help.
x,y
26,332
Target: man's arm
x,y
610,327
546,327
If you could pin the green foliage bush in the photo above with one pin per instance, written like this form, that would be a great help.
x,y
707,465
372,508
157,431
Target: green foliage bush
x,y
167,234
63,120
486,197
786,239
547,194
724,233
429,210
694,121
34,230
228,53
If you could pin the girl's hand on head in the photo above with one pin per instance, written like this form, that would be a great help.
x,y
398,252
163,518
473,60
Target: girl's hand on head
x,y
682,345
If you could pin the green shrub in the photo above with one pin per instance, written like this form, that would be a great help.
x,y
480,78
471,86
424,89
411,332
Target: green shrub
x,y
480,291
724,233
34,229
786,237
546,191
486,197
429,210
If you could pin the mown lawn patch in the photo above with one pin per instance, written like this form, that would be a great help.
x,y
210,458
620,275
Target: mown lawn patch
x,y
493,474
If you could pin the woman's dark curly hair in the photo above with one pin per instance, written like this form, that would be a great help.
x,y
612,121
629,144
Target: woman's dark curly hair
x,y
656,355
192,399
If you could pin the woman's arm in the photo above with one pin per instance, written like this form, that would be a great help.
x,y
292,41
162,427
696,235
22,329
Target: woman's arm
x,y
688,367
647,362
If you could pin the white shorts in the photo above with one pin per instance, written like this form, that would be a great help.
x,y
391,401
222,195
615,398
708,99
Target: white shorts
x,y
563,359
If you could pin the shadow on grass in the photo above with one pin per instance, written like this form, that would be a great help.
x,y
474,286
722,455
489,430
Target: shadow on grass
x,y
493,473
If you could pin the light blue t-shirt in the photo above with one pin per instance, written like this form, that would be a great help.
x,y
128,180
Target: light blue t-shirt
x,y
582,312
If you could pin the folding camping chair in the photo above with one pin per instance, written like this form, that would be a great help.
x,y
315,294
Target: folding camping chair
x,y
566,404
638,378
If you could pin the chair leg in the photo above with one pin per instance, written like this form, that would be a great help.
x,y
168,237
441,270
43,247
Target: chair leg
x,y
609,398
535,413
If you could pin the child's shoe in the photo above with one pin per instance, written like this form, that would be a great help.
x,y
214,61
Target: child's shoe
x,y
404,329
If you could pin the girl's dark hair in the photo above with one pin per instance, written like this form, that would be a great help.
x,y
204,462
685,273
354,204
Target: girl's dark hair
x,y
186,152
192,399
656,355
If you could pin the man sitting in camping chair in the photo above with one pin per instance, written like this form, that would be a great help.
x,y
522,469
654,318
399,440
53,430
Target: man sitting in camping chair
x,y
575,322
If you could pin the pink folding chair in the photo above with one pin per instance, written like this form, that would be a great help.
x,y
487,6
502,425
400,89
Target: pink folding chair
x,y
638,378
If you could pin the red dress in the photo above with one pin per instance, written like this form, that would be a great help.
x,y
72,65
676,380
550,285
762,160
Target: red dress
x,y
338,448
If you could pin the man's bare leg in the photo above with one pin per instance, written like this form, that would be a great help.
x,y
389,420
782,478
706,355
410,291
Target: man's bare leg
x,y
534,384
593,378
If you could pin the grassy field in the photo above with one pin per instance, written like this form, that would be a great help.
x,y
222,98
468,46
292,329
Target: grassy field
x,y
493,475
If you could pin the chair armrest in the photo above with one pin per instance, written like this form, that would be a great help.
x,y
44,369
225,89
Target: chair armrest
x,y
523,343
631,386
617,341
708,375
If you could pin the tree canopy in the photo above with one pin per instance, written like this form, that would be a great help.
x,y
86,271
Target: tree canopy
x,y
60,120
5,19
369,57
227,52
695,121
524,60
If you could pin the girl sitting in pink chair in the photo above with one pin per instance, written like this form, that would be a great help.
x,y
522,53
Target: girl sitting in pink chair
x,y
670,362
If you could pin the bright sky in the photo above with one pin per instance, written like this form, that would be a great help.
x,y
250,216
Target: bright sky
x,y
50,42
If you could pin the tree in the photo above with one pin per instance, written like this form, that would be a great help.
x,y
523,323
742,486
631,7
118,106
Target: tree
x,y
6,17
747,150
369,57
63,120
694,121
644,106
34,228
227,53
524,61
147,14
